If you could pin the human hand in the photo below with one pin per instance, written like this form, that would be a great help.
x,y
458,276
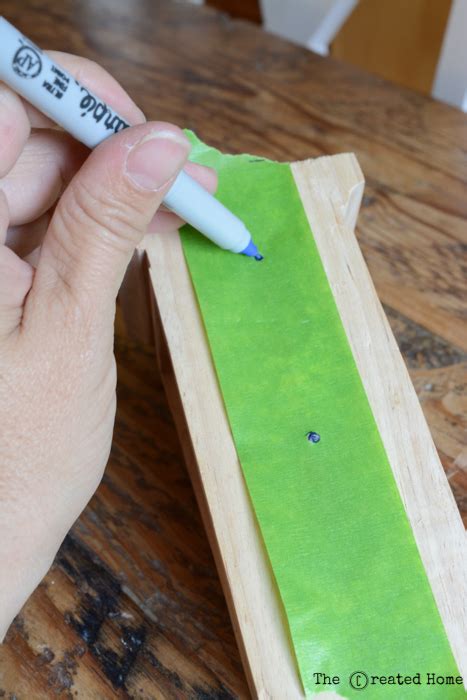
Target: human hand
x,y
62,260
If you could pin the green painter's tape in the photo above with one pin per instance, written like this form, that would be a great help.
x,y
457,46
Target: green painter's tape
x,y
354,590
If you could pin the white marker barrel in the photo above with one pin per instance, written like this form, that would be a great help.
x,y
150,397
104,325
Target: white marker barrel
x,y
209,215
34,76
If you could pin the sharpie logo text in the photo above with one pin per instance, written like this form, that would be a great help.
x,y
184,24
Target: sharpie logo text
x,y
99,111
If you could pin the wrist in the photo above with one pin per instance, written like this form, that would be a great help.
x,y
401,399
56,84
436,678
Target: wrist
x,y
26,553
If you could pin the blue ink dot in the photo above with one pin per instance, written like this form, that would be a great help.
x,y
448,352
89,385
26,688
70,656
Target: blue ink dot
x,y
313,437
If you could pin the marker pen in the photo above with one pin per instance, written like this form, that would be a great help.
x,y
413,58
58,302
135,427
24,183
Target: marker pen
x,y
33,75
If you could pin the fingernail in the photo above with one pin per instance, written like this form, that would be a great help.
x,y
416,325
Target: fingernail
x,y
152,162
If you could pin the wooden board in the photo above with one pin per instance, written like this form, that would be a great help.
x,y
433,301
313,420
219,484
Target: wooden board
x,y
331,189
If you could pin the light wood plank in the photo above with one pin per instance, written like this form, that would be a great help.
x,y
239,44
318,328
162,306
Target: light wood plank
x,y
331,189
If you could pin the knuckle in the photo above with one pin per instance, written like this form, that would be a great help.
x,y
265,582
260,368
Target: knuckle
x,y
107,214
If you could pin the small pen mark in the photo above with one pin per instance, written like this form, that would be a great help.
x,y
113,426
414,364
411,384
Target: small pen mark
x,y
313,437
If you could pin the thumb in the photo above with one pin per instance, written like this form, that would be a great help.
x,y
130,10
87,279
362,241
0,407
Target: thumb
x,y
105,211
15,279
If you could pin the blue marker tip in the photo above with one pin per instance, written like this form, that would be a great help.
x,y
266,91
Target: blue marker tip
x,y
252,251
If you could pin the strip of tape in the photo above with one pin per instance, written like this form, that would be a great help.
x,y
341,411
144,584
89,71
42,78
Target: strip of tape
x,y
343,555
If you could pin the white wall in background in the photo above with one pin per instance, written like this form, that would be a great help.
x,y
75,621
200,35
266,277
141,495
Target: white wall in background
x,y
450,83
311,23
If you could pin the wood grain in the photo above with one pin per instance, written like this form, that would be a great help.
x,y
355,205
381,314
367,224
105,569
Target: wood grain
x,y
140,541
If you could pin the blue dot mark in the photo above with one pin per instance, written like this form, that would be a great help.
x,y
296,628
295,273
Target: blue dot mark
x,y
313,437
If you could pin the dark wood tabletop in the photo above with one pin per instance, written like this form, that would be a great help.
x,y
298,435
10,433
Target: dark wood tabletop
x,y
132,607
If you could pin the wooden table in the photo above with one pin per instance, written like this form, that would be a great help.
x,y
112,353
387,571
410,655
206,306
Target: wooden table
x,y
132,606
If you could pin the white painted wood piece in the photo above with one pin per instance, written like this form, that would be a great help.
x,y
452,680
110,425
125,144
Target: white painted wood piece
x,y
310,23
450,83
